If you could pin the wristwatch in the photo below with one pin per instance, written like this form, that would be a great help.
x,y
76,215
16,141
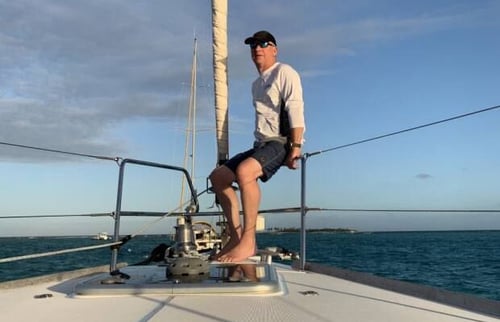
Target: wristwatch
x,y
294,145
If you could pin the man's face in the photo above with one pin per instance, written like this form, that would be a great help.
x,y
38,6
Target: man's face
x,y
263,53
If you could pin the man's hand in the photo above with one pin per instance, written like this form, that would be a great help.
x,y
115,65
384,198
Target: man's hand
x,y
295,144
293,156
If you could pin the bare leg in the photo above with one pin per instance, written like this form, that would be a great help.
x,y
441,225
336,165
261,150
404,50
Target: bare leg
x,y
221,179
246,176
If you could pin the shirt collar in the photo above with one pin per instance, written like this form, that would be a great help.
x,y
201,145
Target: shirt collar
x,y
268,71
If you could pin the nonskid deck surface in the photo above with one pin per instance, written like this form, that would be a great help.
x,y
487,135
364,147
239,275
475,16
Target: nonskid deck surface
x,y
306,296
245,278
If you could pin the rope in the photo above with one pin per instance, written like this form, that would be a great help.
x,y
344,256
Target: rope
x,y
58,252
172,212
100,157
403,131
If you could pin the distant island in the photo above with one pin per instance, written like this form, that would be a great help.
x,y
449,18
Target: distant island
x,y
312,230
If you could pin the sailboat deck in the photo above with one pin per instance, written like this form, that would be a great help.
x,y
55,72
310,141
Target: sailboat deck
x,y
305,296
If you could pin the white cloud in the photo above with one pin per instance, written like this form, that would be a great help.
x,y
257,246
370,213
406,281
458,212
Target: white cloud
x,y
71,71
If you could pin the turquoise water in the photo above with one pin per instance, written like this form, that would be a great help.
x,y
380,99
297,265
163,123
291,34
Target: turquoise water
x,y
463,261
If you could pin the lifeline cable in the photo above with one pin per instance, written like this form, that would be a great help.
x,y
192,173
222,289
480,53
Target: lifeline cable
x,y
112,245
116,244
98,214
167,214
403,131
100,157
145,227
58,252
109,214
413,210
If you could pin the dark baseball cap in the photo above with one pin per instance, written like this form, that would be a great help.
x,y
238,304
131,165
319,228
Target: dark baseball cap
x,y
261,36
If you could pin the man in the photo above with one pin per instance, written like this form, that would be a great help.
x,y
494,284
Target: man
x,y
279,129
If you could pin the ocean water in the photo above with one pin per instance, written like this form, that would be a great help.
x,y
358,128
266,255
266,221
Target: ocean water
x,y
463,261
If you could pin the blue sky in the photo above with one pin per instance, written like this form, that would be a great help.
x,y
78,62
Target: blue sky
x,y
111,78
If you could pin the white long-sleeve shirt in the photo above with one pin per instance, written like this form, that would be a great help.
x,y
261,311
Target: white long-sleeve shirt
x,y
280,83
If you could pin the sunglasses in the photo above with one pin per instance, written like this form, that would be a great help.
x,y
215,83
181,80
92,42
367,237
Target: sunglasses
x,y
262,44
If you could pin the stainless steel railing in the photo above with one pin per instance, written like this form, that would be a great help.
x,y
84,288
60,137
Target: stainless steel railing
x,y
123,163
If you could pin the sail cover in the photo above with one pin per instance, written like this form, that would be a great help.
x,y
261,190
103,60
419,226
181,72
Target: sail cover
x,y
220,56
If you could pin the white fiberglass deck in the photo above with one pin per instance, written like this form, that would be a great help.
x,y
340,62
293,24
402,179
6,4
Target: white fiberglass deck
x,y
306,297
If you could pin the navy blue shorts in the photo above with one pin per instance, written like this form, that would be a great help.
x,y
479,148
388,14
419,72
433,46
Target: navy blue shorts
x,y
271,156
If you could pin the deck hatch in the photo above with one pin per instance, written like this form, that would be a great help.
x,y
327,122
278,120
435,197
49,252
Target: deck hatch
x,y
248,278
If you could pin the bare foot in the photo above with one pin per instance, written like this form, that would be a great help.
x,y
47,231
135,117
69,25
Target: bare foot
x,y
233,242
242,251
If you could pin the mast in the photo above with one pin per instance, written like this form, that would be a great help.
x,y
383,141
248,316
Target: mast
x,y
220,56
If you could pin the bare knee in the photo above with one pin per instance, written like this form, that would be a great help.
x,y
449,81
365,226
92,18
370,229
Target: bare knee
x,y
241,175
248,172
214,177
221,177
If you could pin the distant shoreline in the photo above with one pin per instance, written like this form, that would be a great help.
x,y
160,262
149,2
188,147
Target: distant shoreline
x,y
312,230
281,230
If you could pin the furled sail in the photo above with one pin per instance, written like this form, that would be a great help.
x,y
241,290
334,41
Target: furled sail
x,y
220,56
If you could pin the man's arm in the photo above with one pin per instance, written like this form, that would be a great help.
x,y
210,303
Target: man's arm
x,y
295,141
